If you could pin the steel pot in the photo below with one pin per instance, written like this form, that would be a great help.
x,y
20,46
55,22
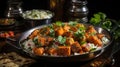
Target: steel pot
x,y
33,18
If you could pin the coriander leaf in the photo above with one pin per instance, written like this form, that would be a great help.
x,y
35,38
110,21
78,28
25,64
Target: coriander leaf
x,y
61,39
117,33
35,40
92,49
52,33
97,16
102,15
50,26
58,23
95,20
72,23
80,32
82,42
107,25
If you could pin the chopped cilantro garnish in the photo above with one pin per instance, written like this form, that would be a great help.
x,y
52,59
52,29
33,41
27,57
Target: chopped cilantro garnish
x,y
72,23
80,32
92,34
58,23
35,40
82,42
61,39
52,33
92,49
100,19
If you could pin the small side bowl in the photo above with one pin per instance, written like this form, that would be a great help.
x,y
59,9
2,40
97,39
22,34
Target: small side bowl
x,y
33,22
6,22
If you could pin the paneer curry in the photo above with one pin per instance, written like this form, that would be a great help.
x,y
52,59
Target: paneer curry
x,y
64,39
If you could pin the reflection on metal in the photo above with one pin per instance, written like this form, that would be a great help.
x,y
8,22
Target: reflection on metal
x,y
78,11
13,9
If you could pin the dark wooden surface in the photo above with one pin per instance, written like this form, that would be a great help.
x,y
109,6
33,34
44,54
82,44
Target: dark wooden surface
x,y
110,7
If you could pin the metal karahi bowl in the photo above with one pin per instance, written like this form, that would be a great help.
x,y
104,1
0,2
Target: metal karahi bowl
x,y
35,17
73,58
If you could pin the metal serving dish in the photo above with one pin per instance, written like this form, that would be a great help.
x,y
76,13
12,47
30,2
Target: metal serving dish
x,y
81,57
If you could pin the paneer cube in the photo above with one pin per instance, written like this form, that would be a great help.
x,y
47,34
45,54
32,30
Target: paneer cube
x,y
75,47
64,51
38,51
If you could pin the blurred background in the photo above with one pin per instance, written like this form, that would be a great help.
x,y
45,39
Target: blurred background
x,y
110,7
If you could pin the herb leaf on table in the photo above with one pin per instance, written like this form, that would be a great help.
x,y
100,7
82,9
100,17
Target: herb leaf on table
x,y
101,19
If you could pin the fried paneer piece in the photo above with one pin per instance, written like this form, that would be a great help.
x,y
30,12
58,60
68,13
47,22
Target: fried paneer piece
x,y
94,39
60,31
91,29
64,51
73,28
66,28
75,47
100,35
38,51
85,47
60,51
44,41
68,34
69,41
52,51
33,34
44,31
